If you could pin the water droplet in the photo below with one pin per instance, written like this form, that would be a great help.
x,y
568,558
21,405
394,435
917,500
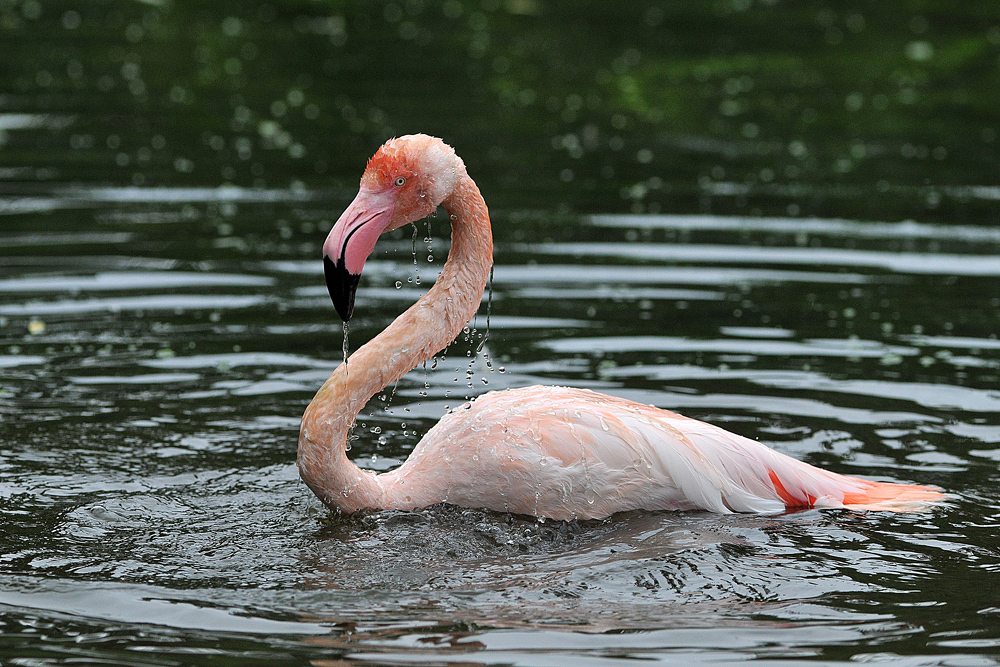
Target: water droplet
x,y
430,258
501,369
399,284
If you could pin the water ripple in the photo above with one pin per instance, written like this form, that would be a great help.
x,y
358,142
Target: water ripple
x,y
898,262
130,280
848,349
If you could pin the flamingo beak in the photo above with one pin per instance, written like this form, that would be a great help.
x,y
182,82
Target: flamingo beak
x,y
349,244
342,286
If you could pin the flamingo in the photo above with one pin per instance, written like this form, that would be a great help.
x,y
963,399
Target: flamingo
x,y
551,452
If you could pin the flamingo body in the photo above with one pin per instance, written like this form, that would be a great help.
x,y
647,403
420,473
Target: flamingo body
x,y
568,453
554,452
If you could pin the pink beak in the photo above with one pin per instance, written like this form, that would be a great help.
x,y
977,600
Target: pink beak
x,y
350,243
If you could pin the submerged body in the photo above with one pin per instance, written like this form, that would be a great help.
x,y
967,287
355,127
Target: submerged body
x,y
554,452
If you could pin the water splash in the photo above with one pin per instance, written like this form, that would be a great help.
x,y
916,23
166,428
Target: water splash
x,y
486,334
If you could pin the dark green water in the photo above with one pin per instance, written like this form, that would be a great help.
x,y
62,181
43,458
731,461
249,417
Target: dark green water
x,y
777,217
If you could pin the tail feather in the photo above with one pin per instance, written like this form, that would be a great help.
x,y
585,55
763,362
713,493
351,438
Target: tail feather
x,y
862,494
893,497
750,477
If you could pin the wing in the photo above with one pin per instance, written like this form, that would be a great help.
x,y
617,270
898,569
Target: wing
x,y
568,453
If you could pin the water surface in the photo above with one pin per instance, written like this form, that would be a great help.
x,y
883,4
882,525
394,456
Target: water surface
x,y
805,268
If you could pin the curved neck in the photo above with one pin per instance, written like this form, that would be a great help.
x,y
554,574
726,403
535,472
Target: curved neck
x,y
426,328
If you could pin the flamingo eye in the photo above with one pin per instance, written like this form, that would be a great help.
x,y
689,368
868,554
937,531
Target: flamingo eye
x,y
400,182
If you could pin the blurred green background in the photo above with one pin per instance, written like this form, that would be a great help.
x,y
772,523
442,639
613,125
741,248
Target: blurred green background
x,y
867,110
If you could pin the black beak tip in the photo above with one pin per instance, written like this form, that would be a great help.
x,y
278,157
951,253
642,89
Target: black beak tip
x,y
342,286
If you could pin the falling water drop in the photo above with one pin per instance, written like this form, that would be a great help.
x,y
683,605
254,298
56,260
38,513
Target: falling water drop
x,y
413,249
387,400
346,349
399,284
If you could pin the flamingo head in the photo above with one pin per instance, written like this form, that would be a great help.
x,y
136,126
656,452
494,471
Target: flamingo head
x,y
405,181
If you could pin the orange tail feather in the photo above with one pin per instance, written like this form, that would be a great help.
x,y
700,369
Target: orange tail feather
x,y
893,497
882,496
